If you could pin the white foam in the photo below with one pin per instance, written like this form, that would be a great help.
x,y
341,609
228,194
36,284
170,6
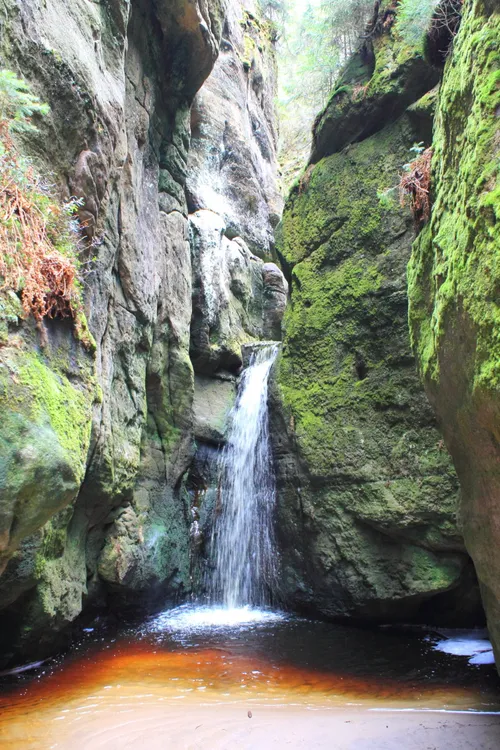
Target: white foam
x,y
479,649
188,618
486,657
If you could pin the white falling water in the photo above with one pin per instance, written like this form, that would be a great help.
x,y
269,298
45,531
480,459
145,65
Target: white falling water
x,y
243,543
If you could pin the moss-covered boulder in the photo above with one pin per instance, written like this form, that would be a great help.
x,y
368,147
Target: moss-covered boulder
x,y
367,492
454,283
46,399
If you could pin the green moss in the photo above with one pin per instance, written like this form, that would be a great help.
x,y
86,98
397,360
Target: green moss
x,y
50,396
454,286
82,330
456,261
368,509
426,105
335,205
249,49
259,36
346,374
46,405
33,388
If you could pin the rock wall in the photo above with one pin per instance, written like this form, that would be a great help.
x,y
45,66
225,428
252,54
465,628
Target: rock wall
x,y
95,441
367,492
232,162
232,191
454,278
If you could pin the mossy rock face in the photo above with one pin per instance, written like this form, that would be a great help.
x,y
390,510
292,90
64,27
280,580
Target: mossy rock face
x,y
367,491
119,78
378,83
454,282
46,403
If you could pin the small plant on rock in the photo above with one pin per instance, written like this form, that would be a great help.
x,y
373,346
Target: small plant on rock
x,y
38,238
414,18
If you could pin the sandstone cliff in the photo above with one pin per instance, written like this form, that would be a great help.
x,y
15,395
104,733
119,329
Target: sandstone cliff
x,y
368,494
453,286
162,124
95,440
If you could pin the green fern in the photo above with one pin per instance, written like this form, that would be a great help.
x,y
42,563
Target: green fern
x,y
18,104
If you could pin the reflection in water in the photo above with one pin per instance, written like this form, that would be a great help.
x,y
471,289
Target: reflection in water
x,y
259,658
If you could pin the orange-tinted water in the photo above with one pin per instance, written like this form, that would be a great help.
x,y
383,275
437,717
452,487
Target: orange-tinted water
x,y
290,662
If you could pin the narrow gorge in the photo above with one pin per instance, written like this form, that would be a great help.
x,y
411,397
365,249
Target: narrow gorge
x,y
281,402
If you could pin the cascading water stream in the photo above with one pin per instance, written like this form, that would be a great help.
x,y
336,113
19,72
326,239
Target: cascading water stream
x,y
243,540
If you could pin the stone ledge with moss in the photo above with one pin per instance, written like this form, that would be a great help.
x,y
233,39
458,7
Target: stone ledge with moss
x,y
386,74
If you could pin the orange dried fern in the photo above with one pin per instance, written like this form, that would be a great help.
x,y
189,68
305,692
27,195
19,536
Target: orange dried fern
x,y
37,249
415,186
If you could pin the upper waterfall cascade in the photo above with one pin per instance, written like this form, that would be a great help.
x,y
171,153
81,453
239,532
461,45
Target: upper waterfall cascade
x,y
243,540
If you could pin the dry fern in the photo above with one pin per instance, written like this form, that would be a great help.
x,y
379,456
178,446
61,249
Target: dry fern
x,y
38,246
415,186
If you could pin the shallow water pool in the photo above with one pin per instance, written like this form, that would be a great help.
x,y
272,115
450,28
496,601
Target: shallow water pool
x,y
202,657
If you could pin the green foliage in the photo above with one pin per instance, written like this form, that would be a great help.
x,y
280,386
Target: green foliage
x,y
387,198
414,19
313,45
275,11
17,103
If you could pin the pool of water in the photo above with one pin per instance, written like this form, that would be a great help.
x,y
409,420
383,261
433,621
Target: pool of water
x,y
198,656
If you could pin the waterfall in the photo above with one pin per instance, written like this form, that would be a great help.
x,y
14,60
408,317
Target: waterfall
x,y
243,539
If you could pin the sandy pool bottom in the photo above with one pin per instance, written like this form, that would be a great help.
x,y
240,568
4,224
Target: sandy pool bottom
x,y
278,684
217,727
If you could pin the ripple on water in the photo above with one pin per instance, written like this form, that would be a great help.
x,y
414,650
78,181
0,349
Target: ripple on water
x,y
201,657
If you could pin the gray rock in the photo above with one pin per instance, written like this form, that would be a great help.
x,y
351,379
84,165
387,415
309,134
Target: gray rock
x,y
117,137
275,300
232,165
213,400
227,295
110,520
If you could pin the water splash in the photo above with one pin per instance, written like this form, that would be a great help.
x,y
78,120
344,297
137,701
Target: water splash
x,y
192,619
243,541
